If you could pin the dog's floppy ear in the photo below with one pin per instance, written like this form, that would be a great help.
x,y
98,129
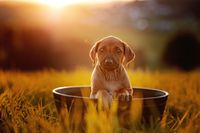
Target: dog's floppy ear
x,y
129,55
93,52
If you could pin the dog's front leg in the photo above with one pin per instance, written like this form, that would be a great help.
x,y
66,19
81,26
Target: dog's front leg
x,y
105,98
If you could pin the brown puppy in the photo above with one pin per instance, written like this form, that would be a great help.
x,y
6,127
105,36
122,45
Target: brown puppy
x,y
109,78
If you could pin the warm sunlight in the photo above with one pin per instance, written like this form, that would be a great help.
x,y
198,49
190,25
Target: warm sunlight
x,y
60,3
57,3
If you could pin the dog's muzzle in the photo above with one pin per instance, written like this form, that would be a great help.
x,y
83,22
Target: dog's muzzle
x,y
109,63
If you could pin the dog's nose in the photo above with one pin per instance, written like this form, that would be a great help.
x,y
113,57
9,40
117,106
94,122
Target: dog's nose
x,y
109,61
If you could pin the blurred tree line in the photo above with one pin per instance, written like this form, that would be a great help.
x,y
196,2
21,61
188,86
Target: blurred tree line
x,y
182,51
32,48
183,7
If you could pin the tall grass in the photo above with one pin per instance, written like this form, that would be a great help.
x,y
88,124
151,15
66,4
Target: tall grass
x,y
27,104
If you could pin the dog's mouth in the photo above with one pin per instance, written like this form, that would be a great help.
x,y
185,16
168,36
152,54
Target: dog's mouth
x,y
109,64
109,67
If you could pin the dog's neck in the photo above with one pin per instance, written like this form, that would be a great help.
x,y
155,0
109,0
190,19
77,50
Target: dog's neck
x,y
110,75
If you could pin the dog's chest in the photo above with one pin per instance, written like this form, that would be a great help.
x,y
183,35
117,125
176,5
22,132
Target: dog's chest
x,y
112,86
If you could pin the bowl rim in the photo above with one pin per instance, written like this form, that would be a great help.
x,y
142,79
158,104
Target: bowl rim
x,y
54,91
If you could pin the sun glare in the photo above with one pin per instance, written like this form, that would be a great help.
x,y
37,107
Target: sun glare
x,y
56,3
61,3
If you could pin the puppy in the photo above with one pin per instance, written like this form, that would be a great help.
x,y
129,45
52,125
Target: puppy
x,y
109,78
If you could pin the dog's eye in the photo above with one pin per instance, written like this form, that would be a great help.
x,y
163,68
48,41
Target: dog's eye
x,y
118,51
101,50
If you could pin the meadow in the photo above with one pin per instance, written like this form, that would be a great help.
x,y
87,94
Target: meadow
x,y
27,104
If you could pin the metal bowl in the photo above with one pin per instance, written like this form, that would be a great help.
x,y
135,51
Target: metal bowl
x,y
146,105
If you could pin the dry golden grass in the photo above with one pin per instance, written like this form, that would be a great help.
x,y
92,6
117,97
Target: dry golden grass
x,y
27,105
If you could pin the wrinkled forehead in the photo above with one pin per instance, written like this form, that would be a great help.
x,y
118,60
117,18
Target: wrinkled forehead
x,y
110,43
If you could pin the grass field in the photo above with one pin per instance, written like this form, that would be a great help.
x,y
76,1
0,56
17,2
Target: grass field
x,y
27,105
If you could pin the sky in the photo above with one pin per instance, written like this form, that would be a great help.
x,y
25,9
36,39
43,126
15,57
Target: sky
x,y
61,3
75,1
56,2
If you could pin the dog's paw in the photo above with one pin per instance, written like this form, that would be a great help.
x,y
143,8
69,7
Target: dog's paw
x,y
124,96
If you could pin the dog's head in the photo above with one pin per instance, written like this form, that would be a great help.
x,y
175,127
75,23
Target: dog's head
x,y
111,52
